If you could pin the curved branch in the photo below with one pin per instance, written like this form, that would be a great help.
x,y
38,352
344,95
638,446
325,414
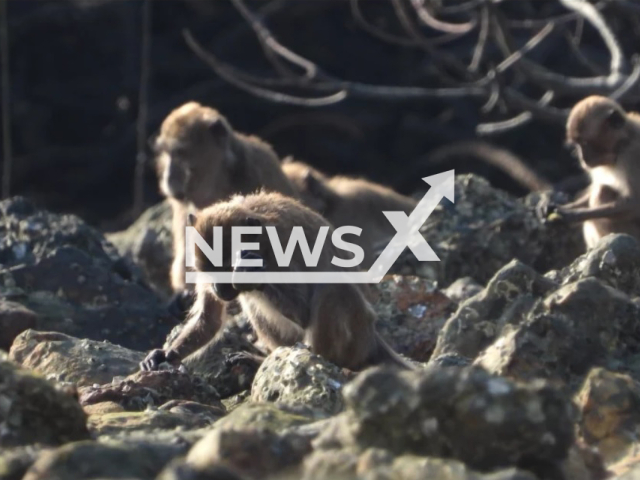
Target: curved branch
x,y
446,27
270,44
278,97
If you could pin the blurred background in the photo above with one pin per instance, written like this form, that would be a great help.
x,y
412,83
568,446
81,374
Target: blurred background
x,y
76,70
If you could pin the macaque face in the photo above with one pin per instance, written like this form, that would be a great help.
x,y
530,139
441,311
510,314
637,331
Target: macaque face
x,y
598,131
227,218
195,158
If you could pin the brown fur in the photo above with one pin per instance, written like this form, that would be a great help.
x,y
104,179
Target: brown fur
x,y
607,140
335,320
202,160
350,201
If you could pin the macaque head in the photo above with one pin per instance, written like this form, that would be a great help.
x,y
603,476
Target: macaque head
x,y
265,211
194,155
227,215
598,128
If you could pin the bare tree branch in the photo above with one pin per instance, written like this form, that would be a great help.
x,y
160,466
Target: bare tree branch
x,y
429,20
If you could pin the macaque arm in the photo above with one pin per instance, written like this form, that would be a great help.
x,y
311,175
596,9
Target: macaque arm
x,y
581,201
178,227
205,319
613,210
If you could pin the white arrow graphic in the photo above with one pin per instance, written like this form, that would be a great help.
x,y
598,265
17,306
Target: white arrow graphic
x,y
408,235
408,228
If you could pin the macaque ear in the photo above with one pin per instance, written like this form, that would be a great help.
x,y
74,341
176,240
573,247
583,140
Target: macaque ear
x,y
616,119
218,129
191,220
314,185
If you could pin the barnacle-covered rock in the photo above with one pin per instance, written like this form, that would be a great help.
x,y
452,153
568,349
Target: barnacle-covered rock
x,y
64,358
33,410
486,228
485,421
294,375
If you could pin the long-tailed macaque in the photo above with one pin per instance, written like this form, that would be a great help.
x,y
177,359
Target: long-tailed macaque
x,y
350,201
335,320
607,140
201,160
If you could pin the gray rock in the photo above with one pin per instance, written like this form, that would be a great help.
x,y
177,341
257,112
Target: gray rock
x,y
33,410
148,242
615,260
580,325
74,280
478,321
486,228
610,414
294,375
485,421
64,358
253,452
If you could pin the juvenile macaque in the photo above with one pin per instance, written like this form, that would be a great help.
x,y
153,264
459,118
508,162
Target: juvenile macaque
x,y
335,320
202,160
350,201
607,141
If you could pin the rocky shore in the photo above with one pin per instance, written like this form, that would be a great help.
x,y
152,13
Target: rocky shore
x,y
528,348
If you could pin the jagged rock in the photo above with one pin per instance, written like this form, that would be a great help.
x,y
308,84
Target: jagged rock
x,y
485,421
411,311
32,410
74,280
143,389
486,228
148,243
90,460
253,452
610,413
615,260
14,319
294,375
478,320
64,358
580,325
556,326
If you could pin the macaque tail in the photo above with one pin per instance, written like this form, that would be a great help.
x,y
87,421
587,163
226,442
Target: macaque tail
x,y
388,355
